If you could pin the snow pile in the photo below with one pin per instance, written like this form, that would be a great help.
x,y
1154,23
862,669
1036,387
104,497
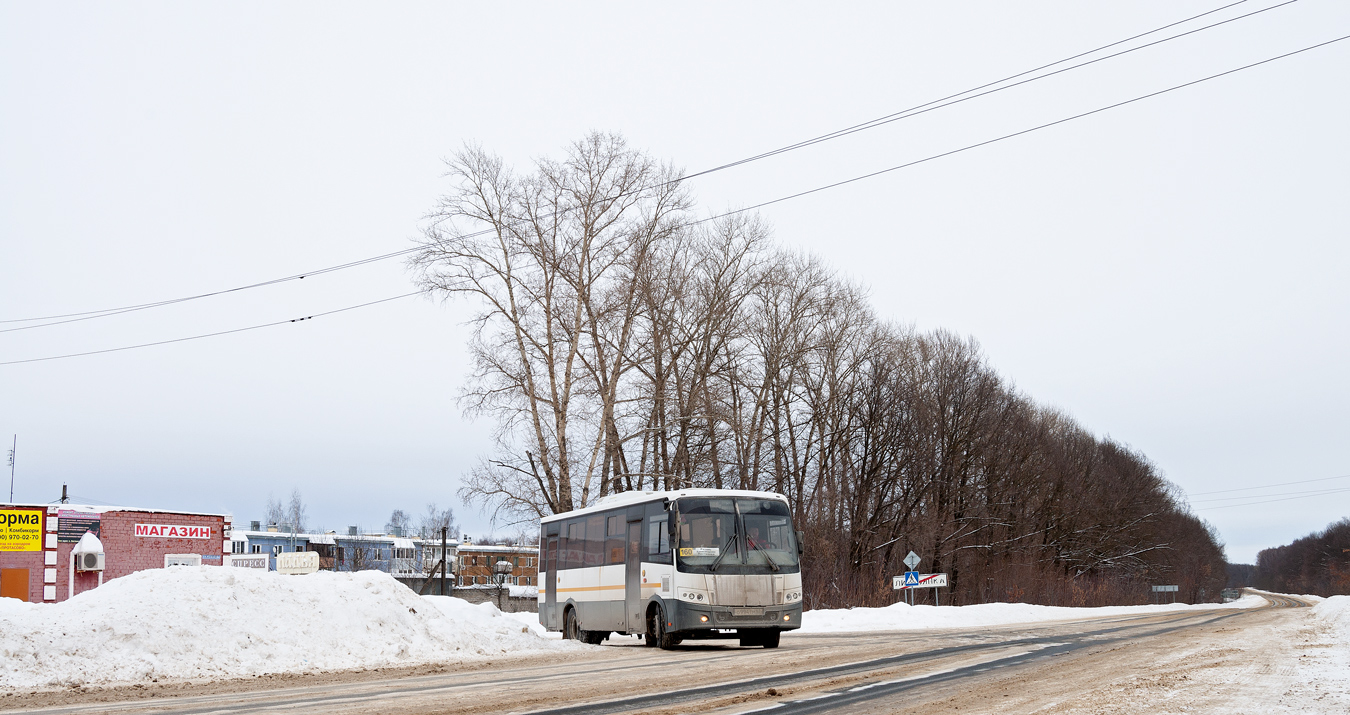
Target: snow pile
x,y
1335,611
902,616
213,622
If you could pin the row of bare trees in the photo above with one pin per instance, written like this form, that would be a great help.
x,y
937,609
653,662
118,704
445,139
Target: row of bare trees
x,y
623,343
1318,564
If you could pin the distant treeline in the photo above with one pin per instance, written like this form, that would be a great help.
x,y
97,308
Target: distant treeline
x,y
1317,564
622,343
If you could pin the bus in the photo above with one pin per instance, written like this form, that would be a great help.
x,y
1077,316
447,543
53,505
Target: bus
x,y
670,566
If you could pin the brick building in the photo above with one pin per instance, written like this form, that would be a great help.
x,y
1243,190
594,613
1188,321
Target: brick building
x,y
477,561
36,541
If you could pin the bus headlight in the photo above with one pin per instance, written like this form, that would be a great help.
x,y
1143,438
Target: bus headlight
x,y
704,619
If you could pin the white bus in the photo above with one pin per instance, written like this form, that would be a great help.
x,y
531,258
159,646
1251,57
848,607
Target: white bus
x,y
694,563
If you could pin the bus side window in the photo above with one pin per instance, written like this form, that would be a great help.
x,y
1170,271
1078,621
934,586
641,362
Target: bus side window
x,y
574,547
595,540
614,528
656,540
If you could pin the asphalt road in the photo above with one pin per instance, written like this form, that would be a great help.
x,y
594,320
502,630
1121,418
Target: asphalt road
x,y
835,673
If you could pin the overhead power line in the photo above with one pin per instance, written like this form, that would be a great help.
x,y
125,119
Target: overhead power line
x,y
1036,128
1271,501
212,335
975,92
800,193
916,110
1306,492
1268,486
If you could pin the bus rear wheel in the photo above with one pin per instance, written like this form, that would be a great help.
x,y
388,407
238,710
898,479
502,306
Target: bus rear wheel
x,y
570,630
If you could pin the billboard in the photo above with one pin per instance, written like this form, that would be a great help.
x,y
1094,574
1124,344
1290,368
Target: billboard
x,y
72,524
21,530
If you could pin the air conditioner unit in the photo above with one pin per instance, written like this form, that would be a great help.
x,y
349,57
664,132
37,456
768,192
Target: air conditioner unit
x,y
89,562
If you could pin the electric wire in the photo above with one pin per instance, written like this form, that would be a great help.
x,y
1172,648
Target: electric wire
x,y
1308,492
1270,501
791,196
1036,128
212,335
896,116
975,92
1268,486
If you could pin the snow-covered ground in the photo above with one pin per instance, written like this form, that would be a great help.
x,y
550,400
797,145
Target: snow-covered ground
x,y
212,622
903,617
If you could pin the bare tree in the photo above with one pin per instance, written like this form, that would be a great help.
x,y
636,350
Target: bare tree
x,y
433,519
399,523
549,257
620,345
291,516
296,513
275,512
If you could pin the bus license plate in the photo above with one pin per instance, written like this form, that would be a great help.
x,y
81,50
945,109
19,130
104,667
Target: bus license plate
x,y
742,612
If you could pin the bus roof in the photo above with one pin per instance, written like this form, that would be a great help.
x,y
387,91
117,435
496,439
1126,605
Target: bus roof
x,y
622,499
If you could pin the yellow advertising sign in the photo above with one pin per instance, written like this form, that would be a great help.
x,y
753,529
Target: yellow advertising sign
x,y
20,530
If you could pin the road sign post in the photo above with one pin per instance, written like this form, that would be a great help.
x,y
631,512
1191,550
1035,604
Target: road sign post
x,y
911,562
1167,589
912,580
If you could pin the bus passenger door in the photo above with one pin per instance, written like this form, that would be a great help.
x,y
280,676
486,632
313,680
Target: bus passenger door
x,y
633,580
549,617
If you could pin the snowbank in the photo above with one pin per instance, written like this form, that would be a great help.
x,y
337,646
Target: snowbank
x,y
213,622
902,616
1335,611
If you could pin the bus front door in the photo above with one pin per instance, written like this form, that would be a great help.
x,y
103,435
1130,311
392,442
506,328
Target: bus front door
x,y
550,615
633,580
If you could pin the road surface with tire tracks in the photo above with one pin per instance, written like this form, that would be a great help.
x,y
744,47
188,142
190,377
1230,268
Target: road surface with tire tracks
x,y
809,673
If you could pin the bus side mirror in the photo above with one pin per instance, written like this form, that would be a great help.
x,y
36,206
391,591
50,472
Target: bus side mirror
x,y
801,547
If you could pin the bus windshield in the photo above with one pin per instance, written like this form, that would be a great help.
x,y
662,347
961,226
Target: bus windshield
x,y
735,535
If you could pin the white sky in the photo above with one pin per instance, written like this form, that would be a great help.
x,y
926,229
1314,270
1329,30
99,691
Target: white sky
x,y
1172,273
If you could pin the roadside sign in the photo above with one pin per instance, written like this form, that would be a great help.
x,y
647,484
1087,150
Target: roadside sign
x,y
912,561
299,562
247,561
1166,589
913,579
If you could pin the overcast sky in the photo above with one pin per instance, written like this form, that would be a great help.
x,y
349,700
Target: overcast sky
x,y
1172,273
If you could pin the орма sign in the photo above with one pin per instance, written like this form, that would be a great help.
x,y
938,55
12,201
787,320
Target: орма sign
x,y
20,530
173,531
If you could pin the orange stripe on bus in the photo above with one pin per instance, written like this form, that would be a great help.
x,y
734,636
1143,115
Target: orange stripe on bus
x,y
600,588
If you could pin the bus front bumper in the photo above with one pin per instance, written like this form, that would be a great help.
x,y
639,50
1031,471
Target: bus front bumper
x,y
699,617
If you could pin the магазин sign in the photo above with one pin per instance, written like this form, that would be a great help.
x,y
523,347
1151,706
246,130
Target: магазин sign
x,y
173,531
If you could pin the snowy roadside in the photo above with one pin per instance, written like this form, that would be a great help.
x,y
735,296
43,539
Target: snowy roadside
x,y
212,622
902,616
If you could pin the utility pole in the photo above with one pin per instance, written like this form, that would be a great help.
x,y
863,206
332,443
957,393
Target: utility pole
x,y
445,559
12,451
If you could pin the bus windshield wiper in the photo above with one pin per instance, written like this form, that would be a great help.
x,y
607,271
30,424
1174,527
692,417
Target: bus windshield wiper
x,y
765,551
735,533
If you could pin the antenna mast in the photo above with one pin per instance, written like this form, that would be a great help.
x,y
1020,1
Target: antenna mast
x,y
12,451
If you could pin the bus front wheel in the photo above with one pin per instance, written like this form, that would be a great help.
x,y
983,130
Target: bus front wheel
x,y
656,631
